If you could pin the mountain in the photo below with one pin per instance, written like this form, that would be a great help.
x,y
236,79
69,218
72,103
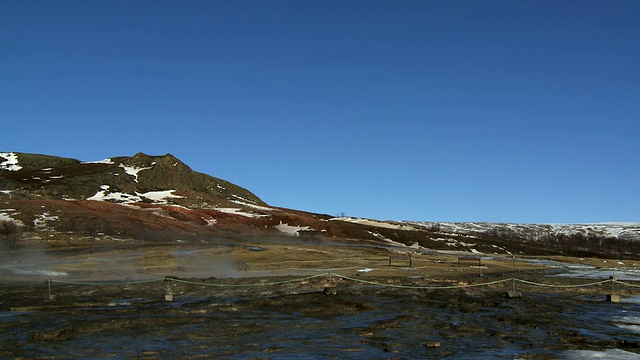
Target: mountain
x,y
141,178
67,202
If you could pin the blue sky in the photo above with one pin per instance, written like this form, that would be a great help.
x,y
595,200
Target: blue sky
x,y
499,111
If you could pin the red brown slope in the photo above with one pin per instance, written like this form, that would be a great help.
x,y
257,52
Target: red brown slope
x,y
159,198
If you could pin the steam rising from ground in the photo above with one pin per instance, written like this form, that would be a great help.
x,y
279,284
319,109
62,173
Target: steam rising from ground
x,y
119,259
18,264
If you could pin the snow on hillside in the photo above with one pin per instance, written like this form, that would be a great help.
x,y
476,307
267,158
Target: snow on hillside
x,y
10,162
292,230
41,222
156,197
237,211
376,223
105,161
133,170
616,230
242,200
6,215
626,231
249,203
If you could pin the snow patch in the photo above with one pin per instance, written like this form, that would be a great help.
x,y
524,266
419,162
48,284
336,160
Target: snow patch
x,y
502,248
42,221
133,171
236,211
631,323
242,199
253,206
159,197
210,222
156,197
611,354
454,242
368,222
589,272
6,215
10,163
386,239
104,195
415,247
292,230
105,161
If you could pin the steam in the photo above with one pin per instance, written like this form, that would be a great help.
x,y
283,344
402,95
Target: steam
x,y
143,259
33,264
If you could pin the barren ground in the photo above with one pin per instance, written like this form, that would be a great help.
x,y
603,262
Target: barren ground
x,y
267,300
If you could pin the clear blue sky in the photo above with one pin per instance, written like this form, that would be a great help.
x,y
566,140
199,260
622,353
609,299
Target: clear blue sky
x,y
500,111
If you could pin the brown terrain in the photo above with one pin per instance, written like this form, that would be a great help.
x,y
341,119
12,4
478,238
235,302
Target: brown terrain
x,y
213,272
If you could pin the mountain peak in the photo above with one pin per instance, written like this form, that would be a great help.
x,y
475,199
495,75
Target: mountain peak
x,y
148,160
118,179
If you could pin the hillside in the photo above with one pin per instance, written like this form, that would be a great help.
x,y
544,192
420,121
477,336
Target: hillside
x,y
141,178
67,202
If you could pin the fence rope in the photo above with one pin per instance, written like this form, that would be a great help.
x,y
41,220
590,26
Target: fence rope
x,y
130,282
330,275
626,284
345,278
488,283
561,286
316,261
418,286
244,285
306,269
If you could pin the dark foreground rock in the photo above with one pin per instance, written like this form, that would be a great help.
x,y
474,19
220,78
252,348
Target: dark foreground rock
x,y
297,319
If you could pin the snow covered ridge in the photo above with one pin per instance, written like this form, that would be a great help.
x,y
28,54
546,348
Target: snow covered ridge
x,y
624,231
105,161
10,162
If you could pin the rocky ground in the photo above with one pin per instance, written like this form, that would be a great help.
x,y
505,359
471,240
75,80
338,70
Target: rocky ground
x,y
275,301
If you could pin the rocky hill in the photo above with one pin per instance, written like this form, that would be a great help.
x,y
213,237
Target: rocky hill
x,y
141,178
67,202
